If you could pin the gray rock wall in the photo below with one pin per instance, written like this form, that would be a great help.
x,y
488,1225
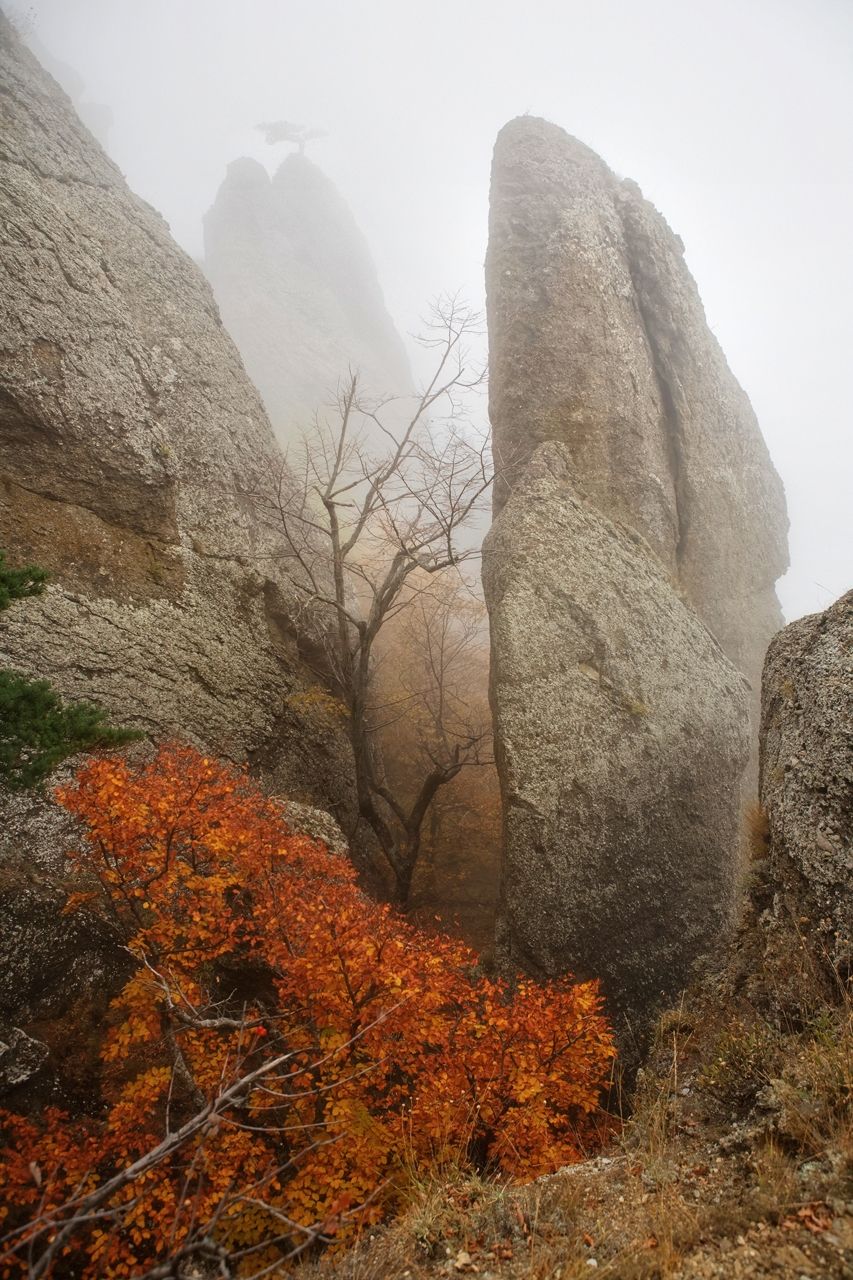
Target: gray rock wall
x,y
137,464
807,776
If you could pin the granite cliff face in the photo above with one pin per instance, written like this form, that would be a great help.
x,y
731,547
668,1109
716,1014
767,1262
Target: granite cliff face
x,y
807,776
298,290
640,528
137,461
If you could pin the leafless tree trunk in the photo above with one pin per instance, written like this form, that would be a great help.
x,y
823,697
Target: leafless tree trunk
x,y
366,529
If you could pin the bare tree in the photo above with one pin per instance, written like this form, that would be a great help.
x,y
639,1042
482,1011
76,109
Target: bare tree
x,y
366,530
432,674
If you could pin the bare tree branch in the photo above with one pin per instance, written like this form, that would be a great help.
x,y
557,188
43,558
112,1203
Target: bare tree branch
x,y
375,508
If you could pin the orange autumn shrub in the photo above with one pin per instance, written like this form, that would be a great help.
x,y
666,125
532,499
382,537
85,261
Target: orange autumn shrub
x,y
255,947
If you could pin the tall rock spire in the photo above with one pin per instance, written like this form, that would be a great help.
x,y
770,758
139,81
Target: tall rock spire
x,y
298,290
598,339
640,528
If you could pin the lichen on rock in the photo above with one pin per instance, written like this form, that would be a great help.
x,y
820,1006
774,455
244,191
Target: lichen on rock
x,y
622,736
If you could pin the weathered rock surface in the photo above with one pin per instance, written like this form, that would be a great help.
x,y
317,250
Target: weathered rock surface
x,y
49,961
305,820
298,291
622,736
598,339
619,722
58,974
137,465
20,1058
807,775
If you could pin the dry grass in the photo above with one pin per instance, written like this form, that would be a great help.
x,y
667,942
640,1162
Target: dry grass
x,y
683,1181
736,1156
777,1190
815,1091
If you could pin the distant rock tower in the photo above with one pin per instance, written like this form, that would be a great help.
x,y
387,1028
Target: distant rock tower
x,y
298,290
640,528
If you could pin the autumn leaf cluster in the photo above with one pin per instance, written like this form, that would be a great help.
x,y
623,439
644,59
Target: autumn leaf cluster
x,y
254,947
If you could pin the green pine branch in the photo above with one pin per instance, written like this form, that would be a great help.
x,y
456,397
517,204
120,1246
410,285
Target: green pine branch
x,y
37,729
17,584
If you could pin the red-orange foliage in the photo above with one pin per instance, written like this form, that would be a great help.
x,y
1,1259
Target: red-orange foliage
x,y
402,1049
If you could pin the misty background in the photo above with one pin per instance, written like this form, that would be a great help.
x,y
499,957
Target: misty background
x,y
736,119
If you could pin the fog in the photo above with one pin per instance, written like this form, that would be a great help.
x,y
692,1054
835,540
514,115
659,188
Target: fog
x,y
734,117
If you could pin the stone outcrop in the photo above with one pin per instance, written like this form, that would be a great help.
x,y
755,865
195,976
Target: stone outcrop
x,y
137,465
807,776
598,339
48,961
639,531
20,1058
305,820
58,974
622,736
298,291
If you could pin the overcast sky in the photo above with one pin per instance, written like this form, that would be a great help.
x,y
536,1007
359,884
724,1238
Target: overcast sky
x,y
735,116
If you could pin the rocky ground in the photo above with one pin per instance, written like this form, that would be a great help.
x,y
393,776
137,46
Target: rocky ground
x,y
608,1217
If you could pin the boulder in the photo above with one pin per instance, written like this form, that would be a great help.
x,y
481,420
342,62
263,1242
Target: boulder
x,y
621,731
49,961
304,820
20,1058
807,777
58,974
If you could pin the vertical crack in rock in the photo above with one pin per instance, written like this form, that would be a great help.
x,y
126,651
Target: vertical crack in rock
x,y
672,401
